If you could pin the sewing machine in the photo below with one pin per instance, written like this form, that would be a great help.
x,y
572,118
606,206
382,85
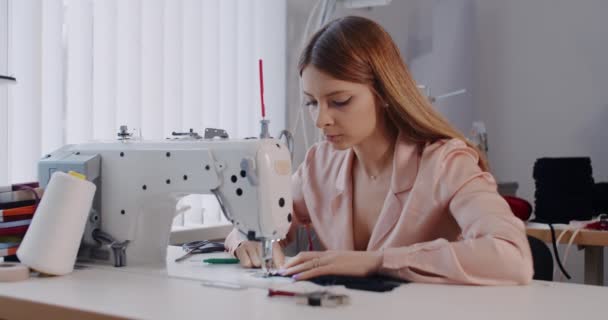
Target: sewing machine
x,y
139,183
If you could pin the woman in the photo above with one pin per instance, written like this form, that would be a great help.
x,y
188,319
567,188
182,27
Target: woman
x,y
393,189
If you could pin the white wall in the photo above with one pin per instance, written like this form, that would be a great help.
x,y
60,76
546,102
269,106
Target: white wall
x,y
451,61
541,86
435,39
539,76
3,89
297,13
541,83
3,36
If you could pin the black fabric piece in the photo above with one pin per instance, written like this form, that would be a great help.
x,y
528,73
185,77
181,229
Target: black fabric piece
x,y
12,258
374,283
564,190
541,259
560,211
600,197
314,301
16,204
212,247
568,198
559,261
546,168
561,178
570,190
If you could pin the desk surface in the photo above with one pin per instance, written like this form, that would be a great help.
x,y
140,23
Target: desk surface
x,y
584,237
149,295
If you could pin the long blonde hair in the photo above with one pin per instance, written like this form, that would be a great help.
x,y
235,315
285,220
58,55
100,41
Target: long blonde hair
x,y
357,49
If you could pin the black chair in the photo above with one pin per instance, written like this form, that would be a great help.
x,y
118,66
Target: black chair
x,y
542,259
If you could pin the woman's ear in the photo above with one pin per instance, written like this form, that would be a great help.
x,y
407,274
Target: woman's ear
x,y
383,104
378,100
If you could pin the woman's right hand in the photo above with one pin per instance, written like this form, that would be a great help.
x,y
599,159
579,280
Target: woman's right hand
x,y
250,254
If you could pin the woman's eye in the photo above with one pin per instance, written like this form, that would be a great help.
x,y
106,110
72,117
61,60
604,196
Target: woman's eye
x,y
341,103
310,103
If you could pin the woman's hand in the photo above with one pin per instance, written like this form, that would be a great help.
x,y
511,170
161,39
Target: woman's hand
x,y
312,264
250,254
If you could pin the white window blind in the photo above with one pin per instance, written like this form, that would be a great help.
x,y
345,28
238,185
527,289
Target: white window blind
x,y
85,67
4,23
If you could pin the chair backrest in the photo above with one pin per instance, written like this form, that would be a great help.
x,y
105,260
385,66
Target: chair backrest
x,y
542,259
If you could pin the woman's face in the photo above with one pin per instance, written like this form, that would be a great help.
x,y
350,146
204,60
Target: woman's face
x,y
345,111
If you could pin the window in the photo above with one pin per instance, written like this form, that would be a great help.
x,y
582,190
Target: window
x,y
85,67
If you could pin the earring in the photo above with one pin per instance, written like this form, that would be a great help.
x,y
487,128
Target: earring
x,y
386,105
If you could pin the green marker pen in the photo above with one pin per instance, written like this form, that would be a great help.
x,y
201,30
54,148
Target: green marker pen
x,y
221,261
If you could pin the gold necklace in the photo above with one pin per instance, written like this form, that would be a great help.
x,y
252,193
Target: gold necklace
x,y
375,177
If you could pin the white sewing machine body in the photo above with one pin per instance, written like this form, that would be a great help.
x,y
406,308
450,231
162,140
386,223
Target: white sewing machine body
x,y
140,182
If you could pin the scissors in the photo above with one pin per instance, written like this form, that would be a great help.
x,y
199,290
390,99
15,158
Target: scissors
x,y
315,299
196,247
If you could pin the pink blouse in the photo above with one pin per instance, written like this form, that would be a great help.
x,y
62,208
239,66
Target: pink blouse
x,y
442,220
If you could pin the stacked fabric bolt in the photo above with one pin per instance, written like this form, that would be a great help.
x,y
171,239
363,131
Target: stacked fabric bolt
x,y
18,204
564,189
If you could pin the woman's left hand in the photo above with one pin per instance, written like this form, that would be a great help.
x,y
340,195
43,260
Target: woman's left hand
x,y
312,264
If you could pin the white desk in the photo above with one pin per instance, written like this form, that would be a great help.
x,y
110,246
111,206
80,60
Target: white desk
x,y
107,292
